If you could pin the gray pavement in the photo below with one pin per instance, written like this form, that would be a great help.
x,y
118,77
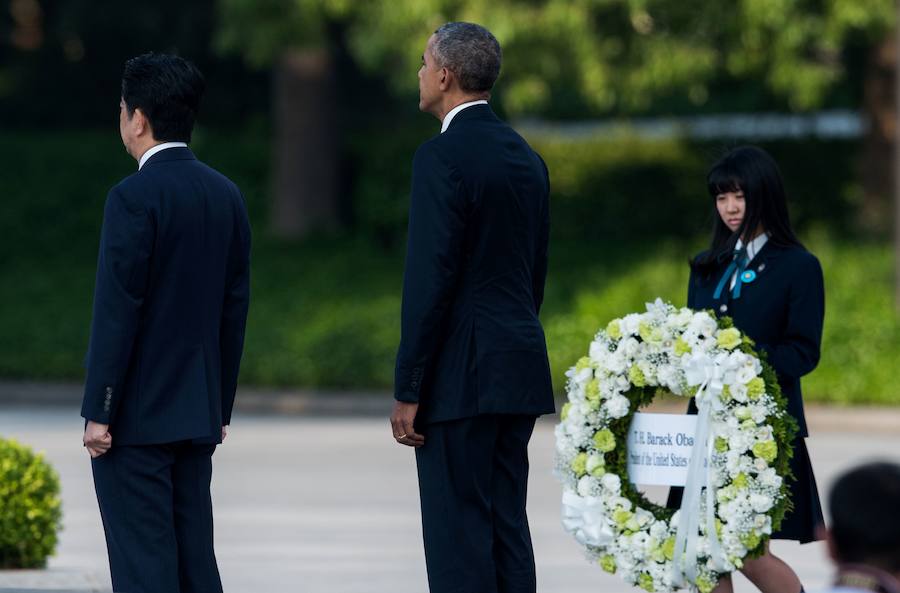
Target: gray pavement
x,y
330,505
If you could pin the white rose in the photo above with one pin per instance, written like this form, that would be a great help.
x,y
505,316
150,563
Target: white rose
x,y
617,407
615,363
630,324
738,392
620,501
584,375
611,482
744,374
629,347
598,352
761,502
586,486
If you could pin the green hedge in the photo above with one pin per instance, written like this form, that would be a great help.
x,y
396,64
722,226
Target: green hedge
x,y
30,507
626,217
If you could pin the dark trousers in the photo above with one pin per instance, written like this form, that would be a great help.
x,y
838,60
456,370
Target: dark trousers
x,y
157,515
473,479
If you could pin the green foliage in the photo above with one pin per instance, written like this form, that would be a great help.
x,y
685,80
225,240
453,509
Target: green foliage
x,y
616,189
614,55
30,507
325,312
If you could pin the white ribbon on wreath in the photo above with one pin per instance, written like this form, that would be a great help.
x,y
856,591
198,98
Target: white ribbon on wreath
x,y
707,373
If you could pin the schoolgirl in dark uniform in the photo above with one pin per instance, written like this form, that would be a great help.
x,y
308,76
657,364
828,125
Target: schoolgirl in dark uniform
x,y
758,273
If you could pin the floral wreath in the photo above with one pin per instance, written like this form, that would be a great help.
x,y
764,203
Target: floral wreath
x,y
743,434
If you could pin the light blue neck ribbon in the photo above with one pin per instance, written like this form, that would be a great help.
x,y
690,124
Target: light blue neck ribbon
x,y
737,266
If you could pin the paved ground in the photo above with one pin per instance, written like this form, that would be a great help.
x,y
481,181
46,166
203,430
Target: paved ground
x,y
330,505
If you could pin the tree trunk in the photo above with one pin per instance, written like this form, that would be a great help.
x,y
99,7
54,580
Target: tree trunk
x,y
877,165
306,145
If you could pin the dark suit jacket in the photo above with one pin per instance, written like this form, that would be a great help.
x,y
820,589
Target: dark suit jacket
x,y
471,342
170,303
782,310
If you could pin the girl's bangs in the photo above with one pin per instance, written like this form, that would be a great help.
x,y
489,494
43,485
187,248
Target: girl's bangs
x,y
723,180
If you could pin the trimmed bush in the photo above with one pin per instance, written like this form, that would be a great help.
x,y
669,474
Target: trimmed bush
x,y
30,507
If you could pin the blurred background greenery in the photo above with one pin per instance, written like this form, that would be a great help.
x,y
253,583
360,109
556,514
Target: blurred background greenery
x,y
311,109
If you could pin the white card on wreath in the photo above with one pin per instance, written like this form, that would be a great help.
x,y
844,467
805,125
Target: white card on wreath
x,y
659,448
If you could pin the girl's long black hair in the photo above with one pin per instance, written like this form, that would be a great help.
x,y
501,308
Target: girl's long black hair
x,y
752,171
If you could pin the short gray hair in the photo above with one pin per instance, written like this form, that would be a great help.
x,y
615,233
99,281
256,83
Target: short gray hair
x,y
471,52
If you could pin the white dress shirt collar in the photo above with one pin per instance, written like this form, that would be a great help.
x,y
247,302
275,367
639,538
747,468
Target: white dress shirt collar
x,y
158,148
753,246
449,117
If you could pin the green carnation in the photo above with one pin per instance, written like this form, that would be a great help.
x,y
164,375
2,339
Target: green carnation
x,y
608,563
726,393
579,464
632,524
604,440
742,413
681,347
564,413
592,391
645,582
668,548
636,376
740,481
621,516
614,330
656,551
750,540
755,388
766,450
729,338
704,585
721,445
583,363
645,331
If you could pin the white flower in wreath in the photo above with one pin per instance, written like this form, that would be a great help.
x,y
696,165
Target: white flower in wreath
x,y
745,374
761,502
630,324
617,406
611,482
703,324
616,363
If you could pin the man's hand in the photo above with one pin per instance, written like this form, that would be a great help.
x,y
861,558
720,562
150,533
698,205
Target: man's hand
x,y
402,419
224,432
97,438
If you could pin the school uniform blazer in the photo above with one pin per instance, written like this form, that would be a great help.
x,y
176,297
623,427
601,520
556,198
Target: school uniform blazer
x,y
471,342
782,310
170,304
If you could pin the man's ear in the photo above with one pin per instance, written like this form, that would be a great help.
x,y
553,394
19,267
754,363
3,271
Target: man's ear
x,y
445,79
140,122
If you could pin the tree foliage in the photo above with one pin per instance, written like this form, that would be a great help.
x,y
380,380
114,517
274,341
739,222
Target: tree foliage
x,y
605,55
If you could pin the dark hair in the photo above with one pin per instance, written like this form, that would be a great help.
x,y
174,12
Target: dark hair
x,y
471,52
750,170
167,89
865,516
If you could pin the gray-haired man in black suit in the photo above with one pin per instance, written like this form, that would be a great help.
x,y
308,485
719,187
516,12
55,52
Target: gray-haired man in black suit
x,y
472,372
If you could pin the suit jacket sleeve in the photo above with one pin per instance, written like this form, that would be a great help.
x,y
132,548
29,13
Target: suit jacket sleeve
x,y
797,353
234,309
539,275
126,245
437,218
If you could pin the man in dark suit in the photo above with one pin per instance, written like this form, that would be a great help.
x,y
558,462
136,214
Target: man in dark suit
x,y
170,307
472,372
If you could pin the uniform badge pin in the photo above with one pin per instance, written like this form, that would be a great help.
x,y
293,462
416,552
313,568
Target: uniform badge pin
x,y
748,276
761,267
